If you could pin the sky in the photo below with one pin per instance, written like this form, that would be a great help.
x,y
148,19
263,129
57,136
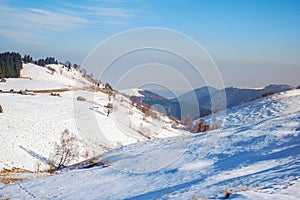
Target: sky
x,y
252,42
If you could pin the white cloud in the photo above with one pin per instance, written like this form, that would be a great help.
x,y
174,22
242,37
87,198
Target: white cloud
x,y
107,12
29,23
26,24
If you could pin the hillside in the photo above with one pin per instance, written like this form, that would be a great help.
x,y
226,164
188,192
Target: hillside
x,y
40,78
171,107
255,156
32,124
198,102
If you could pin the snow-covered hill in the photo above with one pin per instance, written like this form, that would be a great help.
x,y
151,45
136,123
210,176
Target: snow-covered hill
x,y
32,124
255,156
41,78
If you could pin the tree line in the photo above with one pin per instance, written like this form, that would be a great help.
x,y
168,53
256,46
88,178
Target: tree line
x,y
40,62
10,65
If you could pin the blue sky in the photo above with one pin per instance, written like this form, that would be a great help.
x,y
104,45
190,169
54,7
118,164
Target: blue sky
x,y
253,42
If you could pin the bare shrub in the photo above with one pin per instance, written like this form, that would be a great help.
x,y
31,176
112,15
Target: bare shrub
x,y
1,109
66,151
202,126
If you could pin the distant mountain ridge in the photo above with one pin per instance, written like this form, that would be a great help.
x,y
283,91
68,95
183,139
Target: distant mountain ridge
x,y
170,107
198,102
238,96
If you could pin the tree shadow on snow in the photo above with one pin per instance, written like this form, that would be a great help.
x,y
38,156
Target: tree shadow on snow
x,y
36,155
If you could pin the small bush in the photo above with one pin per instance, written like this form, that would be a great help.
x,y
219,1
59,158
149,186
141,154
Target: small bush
x,y
227,194
202,126
55,94
22,92
1,109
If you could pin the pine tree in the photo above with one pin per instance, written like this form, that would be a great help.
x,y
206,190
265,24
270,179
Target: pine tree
x,y
10,65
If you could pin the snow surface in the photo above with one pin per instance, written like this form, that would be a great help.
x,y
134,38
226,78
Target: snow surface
x,y
31,125
255,156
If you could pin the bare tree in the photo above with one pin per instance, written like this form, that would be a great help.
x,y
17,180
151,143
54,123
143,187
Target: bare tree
x,y
66,151
68,65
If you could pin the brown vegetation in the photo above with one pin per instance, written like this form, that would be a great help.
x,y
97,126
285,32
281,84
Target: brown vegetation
x,y
16,174
51,69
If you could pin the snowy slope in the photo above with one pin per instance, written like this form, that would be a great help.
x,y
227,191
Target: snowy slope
x,y
30,125
36,122
42,78
253,157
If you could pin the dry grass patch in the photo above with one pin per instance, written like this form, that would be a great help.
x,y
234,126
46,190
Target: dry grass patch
x,y
16,174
